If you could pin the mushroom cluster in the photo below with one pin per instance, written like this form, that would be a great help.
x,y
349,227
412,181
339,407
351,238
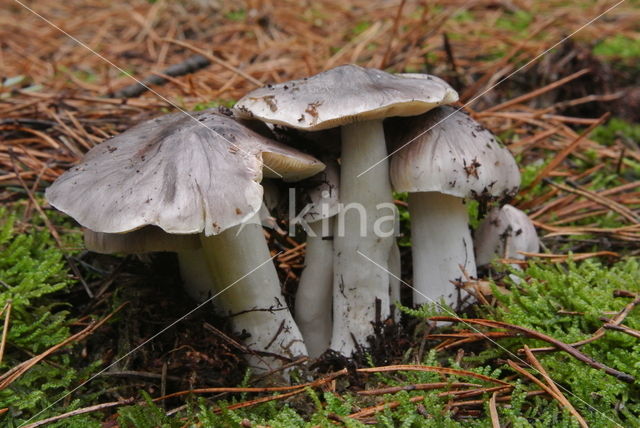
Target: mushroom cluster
x,y
191,184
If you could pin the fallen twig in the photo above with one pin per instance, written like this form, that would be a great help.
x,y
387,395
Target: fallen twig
x,y
217,60
189,65
621,328
615,321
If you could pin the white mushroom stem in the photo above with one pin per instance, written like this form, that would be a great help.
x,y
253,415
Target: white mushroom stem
x,y
195,274
441,243
361,250
395,270
249,291
313,298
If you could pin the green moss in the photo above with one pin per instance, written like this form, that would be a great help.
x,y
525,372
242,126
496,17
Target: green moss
x,y
213,104
517,22
34,278
464,16
587,288
616,128
603,401
404,239
361,27
238,15
618,46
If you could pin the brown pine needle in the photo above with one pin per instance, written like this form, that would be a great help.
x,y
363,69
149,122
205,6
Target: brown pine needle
x,y
79,412
493,411
602,200
262,400
500,399
380,407
435,369
313,384
10,376
541,336
563,400
5,329
555,258
474,392
47,222
538,92
557,160
534,379
416,387
464,338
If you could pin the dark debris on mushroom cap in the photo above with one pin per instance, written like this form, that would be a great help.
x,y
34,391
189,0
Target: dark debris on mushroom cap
x,y
342,95
183,173
446,151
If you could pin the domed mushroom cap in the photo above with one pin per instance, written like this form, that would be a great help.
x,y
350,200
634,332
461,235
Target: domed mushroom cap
x,y
503,233
424,76
184,174
448,152
343,95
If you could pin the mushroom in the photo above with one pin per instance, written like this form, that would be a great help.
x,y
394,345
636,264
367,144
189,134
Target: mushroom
x,y
197,174
192,261
504,232
357,100
191,258
446,157
313,298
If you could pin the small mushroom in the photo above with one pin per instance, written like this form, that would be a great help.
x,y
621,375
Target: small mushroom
x,y
197,174
446,157
504,232
357,100
313,298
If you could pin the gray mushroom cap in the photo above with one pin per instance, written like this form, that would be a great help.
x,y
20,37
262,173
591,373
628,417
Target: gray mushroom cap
x,y
447,151
504,232
183,173
152,238
424,76
343,95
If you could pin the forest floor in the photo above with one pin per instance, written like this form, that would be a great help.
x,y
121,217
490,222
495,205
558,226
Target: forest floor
x,y
556,81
